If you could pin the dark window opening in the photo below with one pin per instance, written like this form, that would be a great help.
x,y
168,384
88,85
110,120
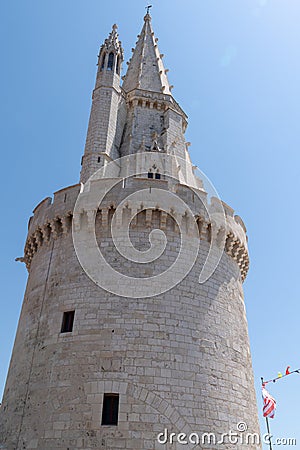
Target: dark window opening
x,y
67,323
110,63
103,61
157,176
150,175
118,66
110,409
99,159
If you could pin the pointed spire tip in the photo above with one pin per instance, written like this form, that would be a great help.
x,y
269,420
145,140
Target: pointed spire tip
x,y
146,70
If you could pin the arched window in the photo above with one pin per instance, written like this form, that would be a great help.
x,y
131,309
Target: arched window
x,y
103,61
153,172
118,65
110,63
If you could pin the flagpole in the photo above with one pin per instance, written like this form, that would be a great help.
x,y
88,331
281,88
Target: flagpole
x,y
267,421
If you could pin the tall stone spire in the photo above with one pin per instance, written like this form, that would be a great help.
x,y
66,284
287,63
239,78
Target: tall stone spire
x,y
102,136
146,70
155,121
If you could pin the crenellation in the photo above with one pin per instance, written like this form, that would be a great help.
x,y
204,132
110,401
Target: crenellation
x,y
61,225
63,202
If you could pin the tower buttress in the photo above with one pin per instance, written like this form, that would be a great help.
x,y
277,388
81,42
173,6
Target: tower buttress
x,y
101,146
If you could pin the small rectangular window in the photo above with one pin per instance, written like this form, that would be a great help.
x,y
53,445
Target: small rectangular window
x,y
157,176
110,409
67,322
150,175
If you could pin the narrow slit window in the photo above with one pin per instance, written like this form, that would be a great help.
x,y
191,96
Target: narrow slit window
x,y
99,159
157,176
110,63
67,322
110,409
150,175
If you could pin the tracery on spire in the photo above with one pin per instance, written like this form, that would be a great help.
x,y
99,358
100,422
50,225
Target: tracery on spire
x,y
111,52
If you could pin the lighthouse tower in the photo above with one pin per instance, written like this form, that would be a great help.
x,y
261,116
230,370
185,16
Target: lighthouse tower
x,y
133,331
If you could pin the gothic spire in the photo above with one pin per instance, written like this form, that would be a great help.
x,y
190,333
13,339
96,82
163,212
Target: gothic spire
x,y
146,70
111,52
101,142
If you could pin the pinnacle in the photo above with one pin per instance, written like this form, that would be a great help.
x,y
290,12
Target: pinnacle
x,y
113,42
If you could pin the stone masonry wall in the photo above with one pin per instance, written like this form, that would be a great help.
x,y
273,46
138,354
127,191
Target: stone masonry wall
x,y
180,360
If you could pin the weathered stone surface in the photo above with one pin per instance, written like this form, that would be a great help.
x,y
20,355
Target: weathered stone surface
x,y
179,360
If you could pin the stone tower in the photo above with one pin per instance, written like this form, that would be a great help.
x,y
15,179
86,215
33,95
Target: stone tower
x,y
133,323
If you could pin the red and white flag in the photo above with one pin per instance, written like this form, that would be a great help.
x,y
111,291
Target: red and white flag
x,y
269,404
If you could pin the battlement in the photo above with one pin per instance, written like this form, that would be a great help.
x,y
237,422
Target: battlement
x,y
53,218
50,209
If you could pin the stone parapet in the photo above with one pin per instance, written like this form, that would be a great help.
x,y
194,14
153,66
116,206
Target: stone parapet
x,y
53,219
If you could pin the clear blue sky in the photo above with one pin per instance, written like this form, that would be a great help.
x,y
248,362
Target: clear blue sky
x,y
235,66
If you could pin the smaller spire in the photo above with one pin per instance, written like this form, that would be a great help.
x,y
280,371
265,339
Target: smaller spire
x,y
112,43
111,54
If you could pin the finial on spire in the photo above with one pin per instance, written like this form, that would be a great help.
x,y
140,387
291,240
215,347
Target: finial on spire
x,y
147,16
112,43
